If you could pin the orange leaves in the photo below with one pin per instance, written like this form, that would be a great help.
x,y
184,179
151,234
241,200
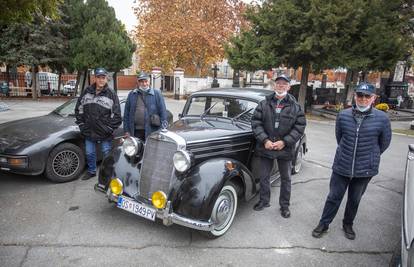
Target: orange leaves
x,y
185,33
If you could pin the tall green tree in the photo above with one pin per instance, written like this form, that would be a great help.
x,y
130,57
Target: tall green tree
x,y
102,40
316,34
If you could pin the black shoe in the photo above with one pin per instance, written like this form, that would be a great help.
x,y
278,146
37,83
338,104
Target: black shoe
x,y
87,176
260,205
320,230
285,212
348,231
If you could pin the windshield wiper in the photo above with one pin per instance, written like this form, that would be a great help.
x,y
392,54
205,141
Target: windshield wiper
x,y
205,112
241,114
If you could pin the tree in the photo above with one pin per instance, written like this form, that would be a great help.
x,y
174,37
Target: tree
x,y
15,11
102,40
190,34
316,34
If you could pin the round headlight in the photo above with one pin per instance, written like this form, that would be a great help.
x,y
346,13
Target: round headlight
x,y
159,199
130,146
116,186
182,160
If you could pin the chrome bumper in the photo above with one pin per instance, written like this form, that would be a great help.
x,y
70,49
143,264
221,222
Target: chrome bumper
x,y
166,215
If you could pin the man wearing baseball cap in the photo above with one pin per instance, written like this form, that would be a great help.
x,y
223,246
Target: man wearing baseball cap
x,y
278,123
98,114
145,110
363,133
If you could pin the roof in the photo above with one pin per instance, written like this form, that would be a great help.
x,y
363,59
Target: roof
x,y
252,93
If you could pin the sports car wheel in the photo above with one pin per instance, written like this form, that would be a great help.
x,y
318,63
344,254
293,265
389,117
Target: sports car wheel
x,y
298,161
65,163
224,211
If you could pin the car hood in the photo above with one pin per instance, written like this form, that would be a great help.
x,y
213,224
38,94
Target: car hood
x,y
15,135
196,129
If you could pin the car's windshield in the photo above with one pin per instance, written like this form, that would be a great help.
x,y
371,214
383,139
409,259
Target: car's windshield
x,y
67,109
228,107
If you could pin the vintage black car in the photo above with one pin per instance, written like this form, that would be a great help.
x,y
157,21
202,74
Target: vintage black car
x,y
407,231
194,173
49,144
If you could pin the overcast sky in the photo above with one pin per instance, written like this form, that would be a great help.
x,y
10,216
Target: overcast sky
x,y
124,12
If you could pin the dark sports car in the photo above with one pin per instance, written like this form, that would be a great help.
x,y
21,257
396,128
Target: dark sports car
x,y
49,144
193,173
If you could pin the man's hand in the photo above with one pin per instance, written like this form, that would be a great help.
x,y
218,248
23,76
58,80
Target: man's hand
x,y
278,145
268,145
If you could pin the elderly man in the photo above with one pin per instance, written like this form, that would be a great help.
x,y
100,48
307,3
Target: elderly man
x,y
98,114
363,133
278,123
145,110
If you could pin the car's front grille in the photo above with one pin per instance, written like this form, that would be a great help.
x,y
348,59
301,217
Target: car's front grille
x,y
157,167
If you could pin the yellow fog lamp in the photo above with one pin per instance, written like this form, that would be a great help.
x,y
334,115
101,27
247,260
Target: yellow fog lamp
x,y
116,186
159,199
18,162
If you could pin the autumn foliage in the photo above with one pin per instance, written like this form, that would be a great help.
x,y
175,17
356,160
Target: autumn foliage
x,y
189,34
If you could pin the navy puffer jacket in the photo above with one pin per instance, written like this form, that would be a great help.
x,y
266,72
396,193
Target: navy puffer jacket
x,y
358,152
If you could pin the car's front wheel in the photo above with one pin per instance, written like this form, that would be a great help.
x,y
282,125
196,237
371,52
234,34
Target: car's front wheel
x,y
65,163
224,210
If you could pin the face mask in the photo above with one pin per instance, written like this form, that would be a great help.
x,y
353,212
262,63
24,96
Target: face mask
x,y
362,108
281,94
144,88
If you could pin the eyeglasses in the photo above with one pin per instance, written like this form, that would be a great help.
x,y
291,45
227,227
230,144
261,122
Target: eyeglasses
x,y
361,95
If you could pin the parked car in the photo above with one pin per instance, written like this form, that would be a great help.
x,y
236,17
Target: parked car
x,y
49,144
69,88
194,173
407,229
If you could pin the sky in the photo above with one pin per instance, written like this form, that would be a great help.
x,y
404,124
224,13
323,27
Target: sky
x,y
124,12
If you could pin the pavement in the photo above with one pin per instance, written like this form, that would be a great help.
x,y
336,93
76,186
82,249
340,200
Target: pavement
x,y
46,224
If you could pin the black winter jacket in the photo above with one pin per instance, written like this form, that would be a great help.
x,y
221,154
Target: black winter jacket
x,y
359,149
291,127
98,115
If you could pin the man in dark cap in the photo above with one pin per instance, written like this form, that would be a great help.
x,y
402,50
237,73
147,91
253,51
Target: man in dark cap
x,y
278,123
98,114
363,133
145,110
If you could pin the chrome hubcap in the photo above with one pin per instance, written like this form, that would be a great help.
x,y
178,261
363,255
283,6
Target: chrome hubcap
x,y
65,163
223,209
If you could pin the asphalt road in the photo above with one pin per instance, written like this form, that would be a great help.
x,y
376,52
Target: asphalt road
x,y
46,224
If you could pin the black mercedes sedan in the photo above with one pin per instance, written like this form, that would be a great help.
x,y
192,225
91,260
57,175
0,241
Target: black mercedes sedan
x,y
194,173
50,144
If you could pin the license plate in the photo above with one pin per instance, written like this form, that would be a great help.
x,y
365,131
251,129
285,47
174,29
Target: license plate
x,y
136,208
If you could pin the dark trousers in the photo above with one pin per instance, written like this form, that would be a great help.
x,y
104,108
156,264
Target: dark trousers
x,y
285,168
337,187
140,133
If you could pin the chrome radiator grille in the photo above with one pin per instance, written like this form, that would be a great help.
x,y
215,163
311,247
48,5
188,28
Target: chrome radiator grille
x,y
157,167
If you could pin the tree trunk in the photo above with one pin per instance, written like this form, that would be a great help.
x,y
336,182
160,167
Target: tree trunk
x,y
115,77
348,81
8,74
59,82
78,76
35,84
303,85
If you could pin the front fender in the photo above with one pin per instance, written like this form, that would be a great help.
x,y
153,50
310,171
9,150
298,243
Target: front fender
x,y
195,195
118,165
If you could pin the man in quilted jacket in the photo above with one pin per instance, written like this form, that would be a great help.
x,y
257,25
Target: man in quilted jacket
x,y
363,133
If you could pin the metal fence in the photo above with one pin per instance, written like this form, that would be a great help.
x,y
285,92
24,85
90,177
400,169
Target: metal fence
x,y
20,84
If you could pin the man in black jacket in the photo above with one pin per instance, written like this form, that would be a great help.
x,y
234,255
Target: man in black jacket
x,y
98,114
278,123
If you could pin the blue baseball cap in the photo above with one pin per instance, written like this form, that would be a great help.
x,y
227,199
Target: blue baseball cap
x,y
282,77
100,72
142,76
365,88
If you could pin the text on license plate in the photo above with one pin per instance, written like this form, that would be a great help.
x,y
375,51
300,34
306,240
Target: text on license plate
x,y
136,208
